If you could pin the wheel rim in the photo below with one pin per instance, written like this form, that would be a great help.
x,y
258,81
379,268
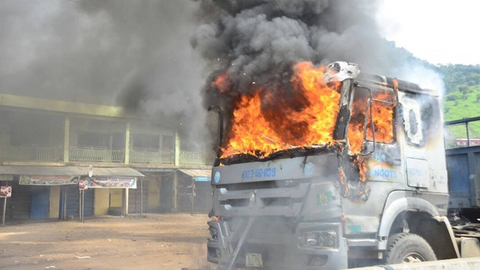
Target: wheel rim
x,y
413,257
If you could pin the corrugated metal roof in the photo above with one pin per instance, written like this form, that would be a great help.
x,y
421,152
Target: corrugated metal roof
x,y
68,170
198,173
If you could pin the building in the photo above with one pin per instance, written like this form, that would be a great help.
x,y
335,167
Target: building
x,y
46,146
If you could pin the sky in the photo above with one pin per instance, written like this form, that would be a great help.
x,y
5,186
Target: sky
x,y
439,31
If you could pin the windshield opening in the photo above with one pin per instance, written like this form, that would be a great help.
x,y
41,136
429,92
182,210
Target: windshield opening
x,y
359,127
264,123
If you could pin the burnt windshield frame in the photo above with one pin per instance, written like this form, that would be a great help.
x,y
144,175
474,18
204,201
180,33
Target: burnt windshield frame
x,y
394,104
345,90
343,117
368,112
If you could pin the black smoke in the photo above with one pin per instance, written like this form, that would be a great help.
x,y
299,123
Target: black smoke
x,y
135,54
256,42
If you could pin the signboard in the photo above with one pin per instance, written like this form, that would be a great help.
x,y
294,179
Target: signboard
x,y
5,192
83,184
48,180
112,182
202,179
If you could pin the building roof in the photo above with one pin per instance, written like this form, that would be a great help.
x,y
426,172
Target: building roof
x,y
197,173
68,170
62,106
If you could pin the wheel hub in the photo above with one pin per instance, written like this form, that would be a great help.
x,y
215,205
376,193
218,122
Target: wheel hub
x,y
413,257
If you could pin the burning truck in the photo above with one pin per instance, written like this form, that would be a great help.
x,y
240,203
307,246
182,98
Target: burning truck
x,y
346,169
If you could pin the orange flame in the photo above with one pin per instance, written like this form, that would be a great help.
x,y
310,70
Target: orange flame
x,y
271,120
395,84
382,112
362,167
262,124
222,83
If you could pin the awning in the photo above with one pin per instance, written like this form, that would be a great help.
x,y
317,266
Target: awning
x,y
69,175
199,175
68,171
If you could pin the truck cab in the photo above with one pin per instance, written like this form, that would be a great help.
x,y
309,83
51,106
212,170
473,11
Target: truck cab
x,y
377,195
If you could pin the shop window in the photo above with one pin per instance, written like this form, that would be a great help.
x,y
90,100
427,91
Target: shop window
x,y
146,141
168,142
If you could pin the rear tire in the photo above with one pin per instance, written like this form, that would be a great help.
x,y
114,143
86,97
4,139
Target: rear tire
x,y
408,248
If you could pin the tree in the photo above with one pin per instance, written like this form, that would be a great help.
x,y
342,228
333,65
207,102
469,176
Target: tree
x,y
464,90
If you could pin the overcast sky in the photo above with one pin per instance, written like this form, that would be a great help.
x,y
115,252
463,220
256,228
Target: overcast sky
x,y
439,31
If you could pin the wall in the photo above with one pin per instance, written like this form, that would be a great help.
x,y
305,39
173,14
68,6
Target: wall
x,y
54,202
101,201
154,194
116,196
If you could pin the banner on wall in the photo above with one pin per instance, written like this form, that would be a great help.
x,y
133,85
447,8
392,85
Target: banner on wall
x,y
111,182
48,180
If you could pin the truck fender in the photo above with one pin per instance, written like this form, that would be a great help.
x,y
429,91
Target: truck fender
x,y
397,203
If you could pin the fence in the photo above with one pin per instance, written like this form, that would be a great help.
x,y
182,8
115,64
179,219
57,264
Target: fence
x,y
193,158
462,133
30,153
151,156
96,154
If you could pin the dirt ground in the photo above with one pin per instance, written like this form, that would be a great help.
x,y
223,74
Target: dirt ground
x,y
156,241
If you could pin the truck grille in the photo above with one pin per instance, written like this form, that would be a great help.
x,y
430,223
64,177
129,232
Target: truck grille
x,y
262,198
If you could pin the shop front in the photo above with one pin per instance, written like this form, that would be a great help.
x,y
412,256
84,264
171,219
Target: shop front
x,y
53,192
194,191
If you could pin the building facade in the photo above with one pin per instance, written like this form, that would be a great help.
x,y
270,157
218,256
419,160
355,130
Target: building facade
x,y
47,146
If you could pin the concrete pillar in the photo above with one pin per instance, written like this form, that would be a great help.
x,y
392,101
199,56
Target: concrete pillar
x,y
177,149
125,202
153,194
175,191
127,144
66,140
54,202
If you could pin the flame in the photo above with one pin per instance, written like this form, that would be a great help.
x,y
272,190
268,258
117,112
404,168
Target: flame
x,y
362,168
395,84
382,112
263,124
271,120
222,83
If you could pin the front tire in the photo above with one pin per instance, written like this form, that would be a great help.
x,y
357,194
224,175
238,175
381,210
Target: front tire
x,y
408,248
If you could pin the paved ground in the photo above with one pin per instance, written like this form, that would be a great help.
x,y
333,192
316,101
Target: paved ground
x,y
152,242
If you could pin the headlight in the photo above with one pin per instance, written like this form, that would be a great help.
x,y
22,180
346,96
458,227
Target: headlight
x,y
213,233
321,239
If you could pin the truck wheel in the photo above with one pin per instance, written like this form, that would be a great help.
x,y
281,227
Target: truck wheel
x,y
408,248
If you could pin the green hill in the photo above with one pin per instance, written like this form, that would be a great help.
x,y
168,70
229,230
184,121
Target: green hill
x,y
462,97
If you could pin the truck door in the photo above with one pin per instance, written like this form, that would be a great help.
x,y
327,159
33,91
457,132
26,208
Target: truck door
x,y
416,162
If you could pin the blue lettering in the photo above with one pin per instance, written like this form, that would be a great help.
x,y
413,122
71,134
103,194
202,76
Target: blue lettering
x,y
259,173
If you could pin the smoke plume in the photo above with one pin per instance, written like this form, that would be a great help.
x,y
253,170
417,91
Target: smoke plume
x,y
128,53
257,42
